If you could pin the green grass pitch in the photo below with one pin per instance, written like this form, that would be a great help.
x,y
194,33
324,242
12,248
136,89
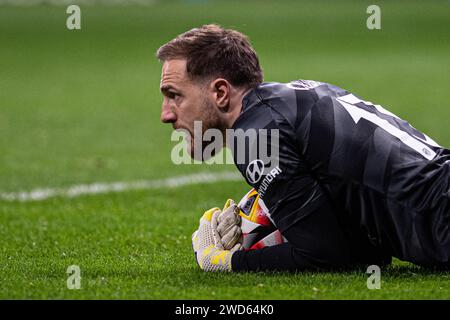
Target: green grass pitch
x,y
83,106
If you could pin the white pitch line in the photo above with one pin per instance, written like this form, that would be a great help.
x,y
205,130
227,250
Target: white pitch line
x,y
98,188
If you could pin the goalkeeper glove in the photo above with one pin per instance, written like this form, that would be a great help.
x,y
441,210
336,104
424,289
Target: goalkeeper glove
x,y
208,256
226,227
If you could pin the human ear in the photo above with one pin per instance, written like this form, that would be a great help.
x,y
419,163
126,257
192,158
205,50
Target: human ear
x,y
221,93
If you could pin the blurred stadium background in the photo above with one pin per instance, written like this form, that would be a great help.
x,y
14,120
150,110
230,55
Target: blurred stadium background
x,y
82,107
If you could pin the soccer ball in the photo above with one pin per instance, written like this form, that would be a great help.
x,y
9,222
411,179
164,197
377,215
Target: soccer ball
x,y
257,229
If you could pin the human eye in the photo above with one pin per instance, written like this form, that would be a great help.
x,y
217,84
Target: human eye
x,y
174,96
171,94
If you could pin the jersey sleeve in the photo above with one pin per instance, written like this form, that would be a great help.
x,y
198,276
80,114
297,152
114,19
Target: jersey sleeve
x,y
276,171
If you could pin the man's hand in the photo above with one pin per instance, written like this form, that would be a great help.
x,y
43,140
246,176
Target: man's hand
x,y
208,256
226,227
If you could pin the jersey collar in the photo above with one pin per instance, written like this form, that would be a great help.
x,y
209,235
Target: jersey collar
x,y
251,98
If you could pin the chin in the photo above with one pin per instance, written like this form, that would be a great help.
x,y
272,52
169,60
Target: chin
x,y
195,154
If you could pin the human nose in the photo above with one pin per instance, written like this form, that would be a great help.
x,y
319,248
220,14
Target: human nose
x,y
167,114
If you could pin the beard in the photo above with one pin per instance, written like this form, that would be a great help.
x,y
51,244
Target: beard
x,y
211,122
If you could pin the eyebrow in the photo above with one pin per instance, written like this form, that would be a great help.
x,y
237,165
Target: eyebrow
x,y
166,88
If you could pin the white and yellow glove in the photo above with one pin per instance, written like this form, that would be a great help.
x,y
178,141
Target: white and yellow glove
x,y
226,227
209,257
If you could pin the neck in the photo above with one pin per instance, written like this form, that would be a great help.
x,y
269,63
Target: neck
x,y
236,106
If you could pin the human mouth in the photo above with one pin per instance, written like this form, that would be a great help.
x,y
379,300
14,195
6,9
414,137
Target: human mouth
x,y
175,127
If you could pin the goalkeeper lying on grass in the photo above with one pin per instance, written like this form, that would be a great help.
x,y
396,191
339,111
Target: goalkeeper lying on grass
x,y
346,182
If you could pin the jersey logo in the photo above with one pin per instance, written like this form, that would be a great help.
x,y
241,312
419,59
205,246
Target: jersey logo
x,y
303,84
255,171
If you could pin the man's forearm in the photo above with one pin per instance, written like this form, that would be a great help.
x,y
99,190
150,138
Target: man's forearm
x,y
283,257
315,242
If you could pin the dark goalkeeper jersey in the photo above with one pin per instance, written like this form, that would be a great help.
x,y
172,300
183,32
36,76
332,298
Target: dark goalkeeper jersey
x,y
387,183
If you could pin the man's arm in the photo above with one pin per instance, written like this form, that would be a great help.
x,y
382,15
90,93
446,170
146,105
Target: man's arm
x,y
298,207
314,242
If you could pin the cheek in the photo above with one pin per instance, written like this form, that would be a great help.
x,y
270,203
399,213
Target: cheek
x,y
194,110
194,107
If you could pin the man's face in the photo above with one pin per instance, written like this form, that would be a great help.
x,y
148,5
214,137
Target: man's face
x,y
186,101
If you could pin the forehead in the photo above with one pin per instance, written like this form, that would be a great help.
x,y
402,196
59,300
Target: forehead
x,y
173,71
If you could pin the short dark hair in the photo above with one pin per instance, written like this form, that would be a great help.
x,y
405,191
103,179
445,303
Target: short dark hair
x,y
212,51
